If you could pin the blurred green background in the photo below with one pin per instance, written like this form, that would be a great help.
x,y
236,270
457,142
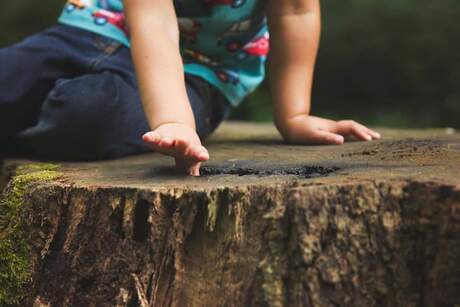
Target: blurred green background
x,y
391,63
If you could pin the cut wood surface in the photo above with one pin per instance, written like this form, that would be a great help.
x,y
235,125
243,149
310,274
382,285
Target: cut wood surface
x,y
268,224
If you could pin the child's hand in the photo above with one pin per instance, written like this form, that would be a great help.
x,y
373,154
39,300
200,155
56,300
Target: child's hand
x,y
304,129
181,142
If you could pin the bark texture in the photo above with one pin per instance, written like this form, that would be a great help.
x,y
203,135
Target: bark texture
x,y
366,232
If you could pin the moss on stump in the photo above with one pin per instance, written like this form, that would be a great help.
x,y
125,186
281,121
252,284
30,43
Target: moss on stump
x,y
14,248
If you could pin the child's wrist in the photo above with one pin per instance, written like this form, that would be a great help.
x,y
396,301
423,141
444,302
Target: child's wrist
x,y
288,126
287,121
173,123
283,127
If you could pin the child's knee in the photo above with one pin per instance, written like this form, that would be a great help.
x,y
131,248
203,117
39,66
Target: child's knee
x,y
84,119
88,96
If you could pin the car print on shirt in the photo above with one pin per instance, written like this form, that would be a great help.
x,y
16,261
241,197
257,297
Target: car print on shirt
x,y
233,3
72,5
227,38
224,74
243,26
230,39
188,29
227,76
259,46
195,56
239,27
102,17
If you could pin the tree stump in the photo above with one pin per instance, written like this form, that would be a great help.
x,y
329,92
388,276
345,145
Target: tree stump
x,y
268,224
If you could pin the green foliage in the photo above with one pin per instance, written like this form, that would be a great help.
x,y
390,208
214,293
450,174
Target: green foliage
x,y
14,250
257,106
391,59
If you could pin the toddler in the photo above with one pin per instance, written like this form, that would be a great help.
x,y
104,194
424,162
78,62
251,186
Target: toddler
x,y
115,78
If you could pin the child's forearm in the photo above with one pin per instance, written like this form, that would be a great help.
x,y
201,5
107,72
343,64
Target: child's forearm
x,y
155,51
159,68
294,35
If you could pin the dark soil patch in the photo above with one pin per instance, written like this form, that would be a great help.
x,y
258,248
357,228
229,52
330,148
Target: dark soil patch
x,y
300,171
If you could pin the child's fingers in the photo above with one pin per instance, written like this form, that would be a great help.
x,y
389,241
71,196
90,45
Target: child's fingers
x,y
349,127
156,139
200,153
326,137
203,154
163,146
166,141
187,167
372,133
182,146
195,170
151,137
360,134
195,151
188,156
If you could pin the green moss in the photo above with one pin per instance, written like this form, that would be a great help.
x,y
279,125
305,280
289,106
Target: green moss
x,y
14,250
33,168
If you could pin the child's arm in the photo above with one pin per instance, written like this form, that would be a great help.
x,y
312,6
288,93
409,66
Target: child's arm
x,y
294,39
160,73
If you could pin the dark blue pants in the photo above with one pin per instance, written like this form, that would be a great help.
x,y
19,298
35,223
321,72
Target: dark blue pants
x,y
67,93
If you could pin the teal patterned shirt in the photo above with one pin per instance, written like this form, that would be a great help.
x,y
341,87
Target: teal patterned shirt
x,y
223,41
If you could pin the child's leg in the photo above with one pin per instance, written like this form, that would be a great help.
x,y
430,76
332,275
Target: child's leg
x,y
28,71
99,115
